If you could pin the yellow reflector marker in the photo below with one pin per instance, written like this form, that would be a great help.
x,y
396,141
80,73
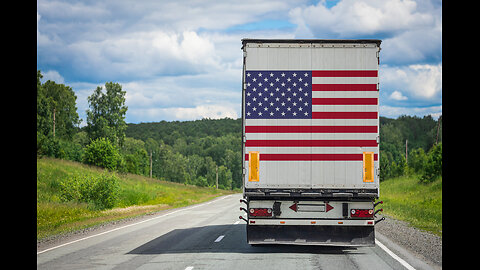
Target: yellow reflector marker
x,y
368,166
340,222
253,166
282,222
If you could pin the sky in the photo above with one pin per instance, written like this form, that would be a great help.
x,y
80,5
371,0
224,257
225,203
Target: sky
x,y
182,60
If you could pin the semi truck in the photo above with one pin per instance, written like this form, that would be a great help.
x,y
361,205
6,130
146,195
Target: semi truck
x,y
310,140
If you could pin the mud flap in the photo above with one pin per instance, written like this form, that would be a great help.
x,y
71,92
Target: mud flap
x,y
311,235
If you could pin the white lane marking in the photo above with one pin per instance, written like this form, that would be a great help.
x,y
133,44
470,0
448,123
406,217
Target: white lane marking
x,y
126,226
189,268
238,221
219,238
400,260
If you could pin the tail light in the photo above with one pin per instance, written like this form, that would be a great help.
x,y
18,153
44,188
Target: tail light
x,y
359,213
260,212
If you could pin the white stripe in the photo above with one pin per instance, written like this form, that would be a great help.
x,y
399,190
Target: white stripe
x,y
344,80
311,122
345,94
400,260
312,150
189,268
219,238
341,108
311,136
126,226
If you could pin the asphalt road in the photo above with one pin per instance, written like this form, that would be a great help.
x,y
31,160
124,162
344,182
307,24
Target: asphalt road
x,y
208,236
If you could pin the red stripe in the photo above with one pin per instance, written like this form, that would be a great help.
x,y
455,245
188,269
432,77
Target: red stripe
x,y
312,157
311,129
344,101
344,115
344,87
344,73
311,143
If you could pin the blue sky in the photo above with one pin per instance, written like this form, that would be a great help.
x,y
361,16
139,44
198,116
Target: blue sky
x,y
181,60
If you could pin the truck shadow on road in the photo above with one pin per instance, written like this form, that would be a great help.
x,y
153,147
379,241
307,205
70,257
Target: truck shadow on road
x,y
205,240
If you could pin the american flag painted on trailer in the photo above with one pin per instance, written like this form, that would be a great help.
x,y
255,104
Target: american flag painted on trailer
x,y
276,95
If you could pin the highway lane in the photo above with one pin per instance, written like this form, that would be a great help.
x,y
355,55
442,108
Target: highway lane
x,y
206,236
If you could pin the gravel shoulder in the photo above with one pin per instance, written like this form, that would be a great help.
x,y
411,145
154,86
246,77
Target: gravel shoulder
x,y
423,244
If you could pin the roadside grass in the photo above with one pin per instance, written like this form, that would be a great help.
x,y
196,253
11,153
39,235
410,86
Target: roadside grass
x,y
420,205
138,195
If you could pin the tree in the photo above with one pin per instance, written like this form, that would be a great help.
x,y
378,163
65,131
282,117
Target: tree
x,y
56,109
106,116
101,152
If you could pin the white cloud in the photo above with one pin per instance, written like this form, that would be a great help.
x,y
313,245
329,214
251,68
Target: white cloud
x,y
422,82
396,95
186,113
53,75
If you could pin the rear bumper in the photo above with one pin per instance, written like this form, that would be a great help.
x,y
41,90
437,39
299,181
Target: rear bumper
x,y
311,235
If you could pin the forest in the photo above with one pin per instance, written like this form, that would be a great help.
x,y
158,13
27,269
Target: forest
x,y
193,152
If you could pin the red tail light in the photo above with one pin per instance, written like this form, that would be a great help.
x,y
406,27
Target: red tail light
x,y
361,213
261,212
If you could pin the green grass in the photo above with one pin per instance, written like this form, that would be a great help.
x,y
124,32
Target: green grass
x,y
138,195
418,204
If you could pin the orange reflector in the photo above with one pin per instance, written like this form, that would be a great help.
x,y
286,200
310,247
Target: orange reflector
x,y
340,222
282,222
313,222
370,222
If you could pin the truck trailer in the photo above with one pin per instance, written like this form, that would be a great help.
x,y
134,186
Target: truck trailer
x,y
310,140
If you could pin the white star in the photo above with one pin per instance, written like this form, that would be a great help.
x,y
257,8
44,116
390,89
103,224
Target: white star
x,y
248,103
277,109
283,103
271,94
306,84
283,74
271,103
265,89
306,93
248,94
277,79
294,104
277,99
283,84
306,113
259,84
306,104
271,84
271,74
277,89
283,94
254,99
288,79
259,74
300,89
294,113
260,104
294,74
260,113
254,79
300,98
300,109
248,84
294,84
288,89
254,109
266,108
288,109
271,113
266,79
294,94
248,113
254,89
306,74
266,99
283,113
259,94
288,99
300,79
248,74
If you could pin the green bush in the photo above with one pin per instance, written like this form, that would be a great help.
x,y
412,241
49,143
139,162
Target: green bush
x,y
101,152
101,192
433,166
